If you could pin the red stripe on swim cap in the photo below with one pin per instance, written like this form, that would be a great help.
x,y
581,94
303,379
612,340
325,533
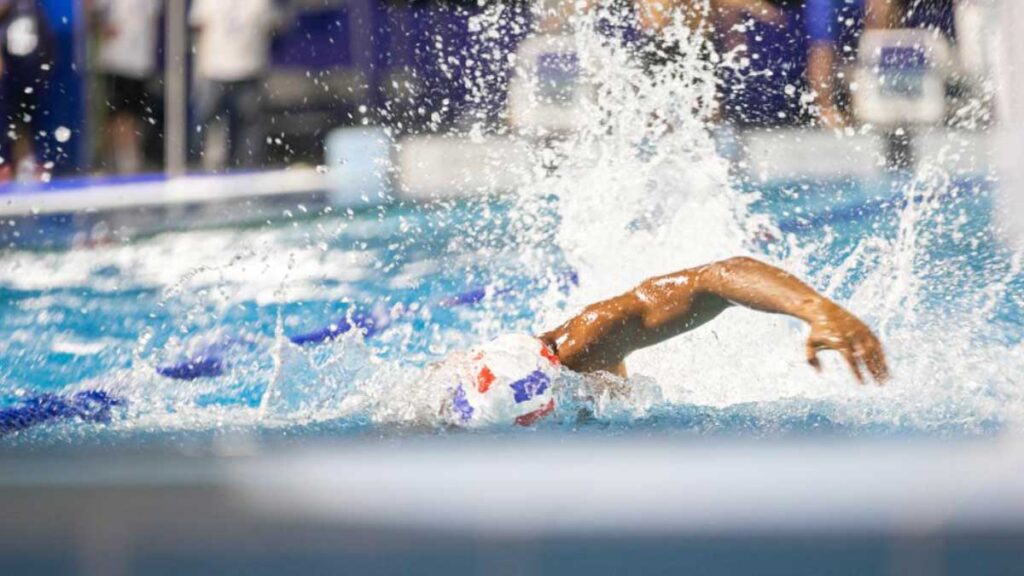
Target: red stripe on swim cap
x,y
530,418
484,379
551,356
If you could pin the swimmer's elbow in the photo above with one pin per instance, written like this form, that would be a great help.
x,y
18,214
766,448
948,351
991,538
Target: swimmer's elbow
x,y
711,277
737,263
742,261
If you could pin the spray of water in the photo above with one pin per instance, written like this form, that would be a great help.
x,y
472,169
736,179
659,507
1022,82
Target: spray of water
x,y
642,191
639,190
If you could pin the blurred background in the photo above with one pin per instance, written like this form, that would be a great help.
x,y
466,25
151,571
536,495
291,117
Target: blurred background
x,y
143,86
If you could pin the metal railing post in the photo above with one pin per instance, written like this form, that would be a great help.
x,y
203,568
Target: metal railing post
x,y
176,89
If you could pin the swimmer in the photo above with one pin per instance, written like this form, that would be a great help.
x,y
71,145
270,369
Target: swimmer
x,y
510,379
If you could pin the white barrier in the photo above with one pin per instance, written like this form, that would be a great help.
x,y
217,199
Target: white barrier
x,y
546,94
901,79
85,196
436,168
1010,198
359,166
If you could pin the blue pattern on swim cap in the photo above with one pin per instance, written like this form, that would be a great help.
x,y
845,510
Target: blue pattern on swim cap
x,y
461,404
533,385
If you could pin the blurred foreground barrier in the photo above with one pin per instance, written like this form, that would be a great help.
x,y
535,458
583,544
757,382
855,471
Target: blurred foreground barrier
x,y
359,166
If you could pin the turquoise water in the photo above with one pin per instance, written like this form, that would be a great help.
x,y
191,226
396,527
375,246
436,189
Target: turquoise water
x,y
108,317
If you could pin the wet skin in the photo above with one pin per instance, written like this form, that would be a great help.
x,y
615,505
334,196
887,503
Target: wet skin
x,y
599,338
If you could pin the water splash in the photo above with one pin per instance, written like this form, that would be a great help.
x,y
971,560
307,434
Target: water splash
x,y
642,191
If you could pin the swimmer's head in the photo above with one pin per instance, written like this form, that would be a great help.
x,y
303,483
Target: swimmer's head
x,y
505,382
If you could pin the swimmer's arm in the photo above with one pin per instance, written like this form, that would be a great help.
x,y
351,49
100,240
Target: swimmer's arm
x,y
680,302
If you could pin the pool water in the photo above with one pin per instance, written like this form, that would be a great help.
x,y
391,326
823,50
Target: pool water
x,y
637,188
918,259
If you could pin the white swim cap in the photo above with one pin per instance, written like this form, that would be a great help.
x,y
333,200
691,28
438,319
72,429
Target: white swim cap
x,y
506,381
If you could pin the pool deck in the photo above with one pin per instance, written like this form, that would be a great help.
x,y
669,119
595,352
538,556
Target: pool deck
x,y
92,210
797,506
434,167
100,194
97,210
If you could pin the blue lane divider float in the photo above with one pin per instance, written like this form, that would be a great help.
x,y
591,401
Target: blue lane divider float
x,y
194,368
206,362
87,406
370,324
211,361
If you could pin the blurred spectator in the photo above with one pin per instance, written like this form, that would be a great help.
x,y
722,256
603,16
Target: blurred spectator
x,y
730,17
653,15
718,20
935,15
232,55
26,48
834,28
555,14
723,15
127,61
5,169
656,14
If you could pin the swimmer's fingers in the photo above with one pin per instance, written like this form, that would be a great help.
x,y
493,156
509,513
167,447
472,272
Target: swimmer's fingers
x,y
816,342
821,341
837,343
812,355
878,365
853,362
869,351
860,349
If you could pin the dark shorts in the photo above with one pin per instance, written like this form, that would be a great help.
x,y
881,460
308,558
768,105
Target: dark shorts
x,y
655,52
22,90
124,94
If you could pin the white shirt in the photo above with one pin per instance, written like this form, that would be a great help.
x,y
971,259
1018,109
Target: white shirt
x,y
131,49
234,38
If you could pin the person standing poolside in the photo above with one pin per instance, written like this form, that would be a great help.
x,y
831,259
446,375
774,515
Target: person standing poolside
x,y
834,28
232,58
510,379
26,47
127,64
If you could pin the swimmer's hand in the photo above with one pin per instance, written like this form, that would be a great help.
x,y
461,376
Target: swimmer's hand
x,y
833,328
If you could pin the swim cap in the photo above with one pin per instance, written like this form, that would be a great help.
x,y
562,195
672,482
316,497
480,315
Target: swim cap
x,y
506,381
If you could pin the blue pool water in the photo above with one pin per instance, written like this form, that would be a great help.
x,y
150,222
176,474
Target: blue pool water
x,y
109,317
